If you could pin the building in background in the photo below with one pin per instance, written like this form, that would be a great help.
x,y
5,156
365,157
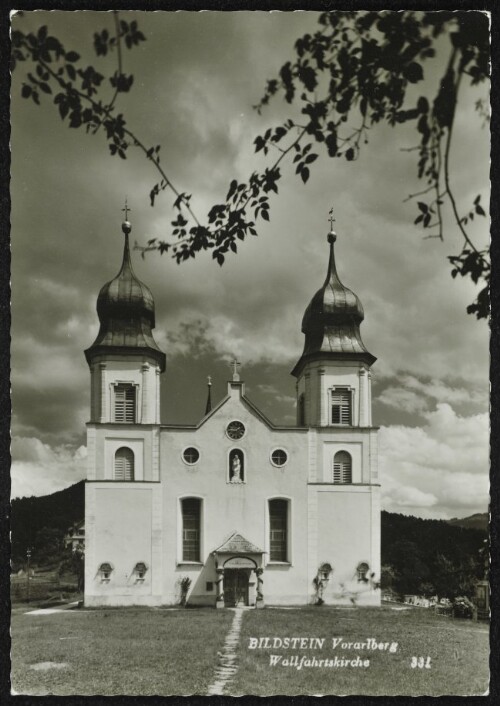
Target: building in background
x,y
233,510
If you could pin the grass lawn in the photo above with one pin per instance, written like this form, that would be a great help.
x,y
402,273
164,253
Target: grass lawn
x,y
458,651
117,651
143,651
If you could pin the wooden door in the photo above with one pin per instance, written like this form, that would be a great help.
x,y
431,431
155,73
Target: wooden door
x,y
235,588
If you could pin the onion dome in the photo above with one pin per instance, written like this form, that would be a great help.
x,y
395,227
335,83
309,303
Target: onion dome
x,y
331,321
126,311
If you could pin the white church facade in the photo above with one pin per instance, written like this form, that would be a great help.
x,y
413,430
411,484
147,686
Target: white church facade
x,y
250,512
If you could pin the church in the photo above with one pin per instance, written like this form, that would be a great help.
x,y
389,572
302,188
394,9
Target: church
x,y
234,510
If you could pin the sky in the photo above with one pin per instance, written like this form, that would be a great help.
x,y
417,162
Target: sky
x,y
196,79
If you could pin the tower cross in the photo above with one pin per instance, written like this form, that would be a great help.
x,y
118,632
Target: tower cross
x,y
126,209
331,218
209,378
235,365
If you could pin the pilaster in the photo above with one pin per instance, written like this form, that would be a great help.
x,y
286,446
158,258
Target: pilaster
x,y
362,420
158,372
144,406
156,543
103,417
322,414
369,398
307,406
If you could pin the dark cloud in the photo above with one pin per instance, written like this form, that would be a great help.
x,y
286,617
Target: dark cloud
x,y
196,79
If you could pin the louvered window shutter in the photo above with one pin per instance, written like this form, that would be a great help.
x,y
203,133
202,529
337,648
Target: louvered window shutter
x,y
125,404
341,406
124,464
342,468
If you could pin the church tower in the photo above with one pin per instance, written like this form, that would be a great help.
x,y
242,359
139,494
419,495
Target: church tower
x,y
333,373
334,403
122,510
125,361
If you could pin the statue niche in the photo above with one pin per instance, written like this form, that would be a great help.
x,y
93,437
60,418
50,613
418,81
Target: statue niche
x,y
236,466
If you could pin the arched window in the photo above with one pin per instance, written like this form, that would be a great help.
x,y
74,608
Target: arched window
x,y
342,467
125,403
191,529
124,464
278,528
302,410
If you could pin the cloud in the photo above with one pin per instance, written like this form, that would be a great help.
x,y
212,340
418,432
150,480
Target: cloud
x,y
441,466
39,469
406,400
193,94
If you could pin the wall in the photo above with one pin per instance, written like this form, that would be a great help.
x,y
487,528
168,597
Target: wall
x,y
122,524
235,507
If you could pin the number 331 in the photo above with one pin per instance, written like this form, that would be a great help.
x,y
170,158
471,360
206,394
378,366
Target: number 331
x,y
420,663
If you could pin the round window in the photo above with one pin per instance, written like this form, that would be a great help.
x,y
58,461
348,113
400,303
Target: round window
x,y
191,455
279,457
235,430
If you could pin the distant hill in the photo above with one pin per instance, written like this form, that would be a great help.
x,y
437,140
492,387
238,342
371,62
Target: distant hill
x,y
57,511
477,521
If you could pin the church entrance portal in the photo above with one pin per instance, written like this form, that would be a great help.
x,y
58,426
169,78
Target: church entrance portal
x,y
236,587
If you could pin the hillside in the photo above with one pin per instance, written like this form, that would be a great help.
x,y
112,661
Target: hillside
x,y
57,511
479,520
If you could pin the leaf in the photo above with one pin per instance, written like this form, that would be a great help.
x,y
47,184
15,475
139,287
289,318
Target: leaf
x,y
72,56
413,72
480,210
265,214
422,206
311,158
26,91
45,87
349,155
331,143
423,105
304,174
71,71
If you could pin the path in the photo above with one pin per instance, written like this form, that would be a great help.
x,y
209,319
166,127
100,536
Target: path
x,y
227,667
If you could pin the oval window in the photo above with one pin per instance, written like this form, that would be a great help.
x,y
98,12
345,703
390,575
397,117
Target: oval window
x,y
235,430
191,455
279,457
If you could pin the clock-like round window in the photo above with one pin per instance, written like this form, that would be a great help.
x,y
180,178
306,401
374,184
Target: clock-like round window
x,y
191,455
235,430
279,457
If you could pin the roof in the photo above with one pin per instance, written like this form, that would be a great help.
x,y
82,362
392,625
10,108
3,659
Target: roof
x,y
126,311
237,544
331,321
250,405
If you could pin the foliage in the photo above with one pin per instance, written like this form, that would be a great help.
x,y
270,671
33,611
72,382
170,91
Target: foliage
x,y
29,516
428,557
357,70
463,607
184,584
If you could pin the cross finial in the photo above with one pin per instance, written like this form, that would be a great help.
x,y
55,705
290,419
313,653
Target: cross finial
x,y
126,209
235,365
209,378
331,219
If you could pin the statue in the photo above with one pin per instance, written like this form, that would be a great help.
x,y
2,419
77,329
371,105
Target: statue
x,y
236,469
